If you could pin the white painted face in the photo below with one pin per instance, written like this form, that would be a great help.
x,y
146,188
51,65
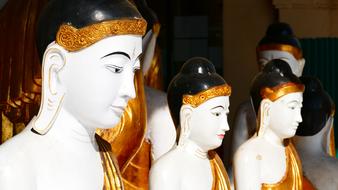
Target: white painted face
x,y
285,115
99,80
209,122
296,66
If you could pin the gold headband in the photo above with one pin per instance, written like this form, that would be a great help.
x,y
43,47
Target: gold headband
x,y
73,39
199,98
296,52
281,90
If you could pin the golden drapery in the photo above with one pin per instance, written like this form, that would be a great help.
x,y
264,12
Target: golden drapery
x,y
112,176
220,177
20,67
293,177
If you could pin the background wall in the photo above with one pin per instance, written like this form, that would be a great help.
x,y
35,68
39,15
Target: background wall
x,y
244,24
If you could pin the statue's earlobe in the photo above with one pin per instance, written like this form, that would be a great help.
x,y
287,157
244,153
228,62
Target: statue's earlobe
x,y
185,115
52,92
263,116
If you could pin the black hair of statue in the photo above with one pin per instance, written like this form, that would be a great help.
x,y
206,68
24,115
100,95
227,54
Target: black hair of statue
x,y
276,72
280,33
79,13
196,75
147,13
317,107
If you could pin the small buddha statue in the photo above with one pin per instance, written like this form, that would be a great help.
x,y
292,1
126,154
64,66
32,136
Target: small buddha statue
x,y
199,103
279,42
90,51
267,160
313,135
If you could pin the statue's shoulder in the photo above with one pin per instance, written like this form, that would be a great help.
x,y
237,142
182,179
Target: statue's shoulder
x,y
16,161
166,167
249,151
168,164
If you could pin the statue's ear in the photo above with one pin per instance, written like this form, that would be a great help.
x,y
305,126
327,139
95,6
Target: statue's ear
x,y
53,61
301,63
185,115
52,91
264,115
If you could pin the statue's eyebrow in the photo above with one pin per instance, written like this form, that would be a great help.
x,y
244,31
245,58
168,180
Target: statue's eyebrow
x,y
217,107
117,52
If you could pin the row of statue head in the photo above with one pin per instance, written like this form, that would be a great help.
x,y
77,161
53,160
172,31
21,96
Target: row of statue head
x,y
90,51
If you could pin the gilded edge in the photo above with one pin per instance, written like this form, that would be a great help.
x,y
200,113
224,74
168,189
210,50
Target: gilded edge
x,y
199,98
73,39
296,52
281,90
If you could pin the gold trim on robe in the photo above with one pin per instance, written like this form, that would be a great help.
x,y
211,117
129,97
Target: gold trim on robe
x,y
112,176
220,177
293,178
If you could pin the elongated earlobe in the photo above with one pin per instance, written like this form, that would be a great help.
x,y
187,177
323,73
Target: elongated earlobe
x,y
263,116
52,92
185,115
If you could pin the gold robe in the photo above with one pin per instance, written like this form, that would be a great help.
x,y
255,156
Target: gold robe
x,y
112,176
293,177
221,180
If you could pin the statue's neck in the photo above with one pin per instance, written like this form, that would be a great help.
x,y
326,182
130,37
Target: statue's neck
x,y
192,148
67,128
273,138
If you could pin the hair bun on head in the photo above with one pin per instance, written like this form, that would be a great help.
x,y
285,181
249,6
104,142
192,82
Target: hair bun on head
x,y
196,75
198,65
275,74
278,66
317,107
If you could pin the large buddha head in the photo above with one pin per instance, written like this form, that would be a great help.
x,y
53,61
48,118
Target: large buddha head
x,y
90,50
199,103
276,94
280,42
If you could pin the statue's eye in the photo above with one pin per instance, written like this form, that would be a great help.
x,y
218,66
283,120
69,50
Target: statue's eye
x,y
217,114
114,68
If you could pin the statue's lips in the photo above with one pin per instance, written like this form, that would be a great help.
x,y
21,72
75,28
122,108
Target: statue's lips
x,y
118,110
221,136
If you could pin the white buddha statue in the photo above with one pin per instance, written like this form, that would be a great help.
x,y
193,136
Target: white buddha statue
x,y
199,103
279,42
90,54
313,136
267,160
